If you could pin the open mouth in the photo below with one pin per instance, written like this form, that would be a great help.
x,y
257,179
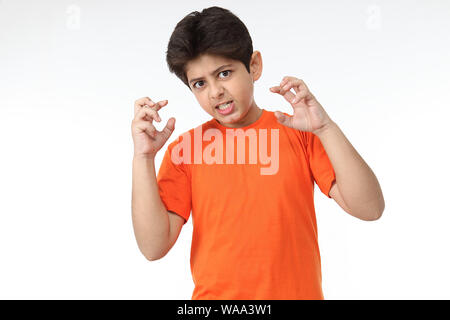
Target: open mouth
x,y
224,105
225,108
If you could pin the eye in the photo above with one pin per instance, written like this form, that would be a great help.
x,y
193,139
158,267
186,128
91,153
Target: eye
x,y
201,81
229,71
196,83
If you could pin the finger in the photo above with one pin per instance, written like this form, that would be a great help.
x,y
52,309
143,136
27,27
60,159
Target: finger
x,y
160,104
284,119
168,129
286,80
284,88
148,114
299,86
139,103
287,95
299,96
146,101
292,83
289,82
157,105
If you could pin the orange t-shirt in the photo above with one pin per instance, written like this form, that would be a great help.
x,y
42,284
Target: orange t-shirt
x,y
254,234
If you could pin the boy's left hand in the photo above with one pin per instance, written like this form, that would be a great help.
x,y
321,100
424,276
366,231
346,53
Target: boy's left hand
x,y
309,115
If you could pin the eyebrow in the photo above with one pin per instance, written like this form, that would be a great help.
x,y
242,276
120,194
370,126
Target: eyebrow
x,y
212,73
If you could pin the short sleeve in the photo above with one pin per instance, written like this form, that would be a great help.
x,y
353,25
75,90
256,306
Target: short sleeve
x,y
174,185
320,164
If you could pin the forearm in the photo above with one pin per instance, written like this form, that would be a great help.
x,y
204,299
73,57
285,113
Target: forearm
x,y
357,183
150,217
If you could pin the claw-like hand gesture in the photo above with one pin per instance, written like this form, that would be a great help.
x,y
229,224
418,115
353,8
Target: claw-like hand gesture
x,y
147,140
309,115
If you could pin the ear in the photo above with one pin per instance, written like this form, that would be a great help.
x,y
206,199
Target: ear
x,y
256,65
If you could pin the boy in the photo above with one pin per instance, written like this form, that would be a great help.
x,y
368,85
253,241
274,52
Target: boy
x,y
255,232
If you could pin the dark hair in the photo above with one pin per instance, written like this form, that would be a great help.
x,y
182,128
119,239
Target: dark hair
x,y
214,31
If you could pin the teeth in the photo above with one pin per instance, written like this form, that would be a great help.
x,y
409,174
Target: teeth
x,y
224,106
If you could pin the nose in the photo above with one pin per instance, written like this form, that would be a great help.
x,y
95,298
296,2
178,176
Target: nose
x,y
216,91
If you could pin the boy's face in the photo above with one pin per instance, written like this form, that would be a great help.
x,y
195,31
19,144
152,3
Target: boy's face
x,y
215,80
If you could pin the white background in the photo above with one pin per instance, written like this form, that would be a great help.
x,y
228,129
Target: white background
x,y
70,72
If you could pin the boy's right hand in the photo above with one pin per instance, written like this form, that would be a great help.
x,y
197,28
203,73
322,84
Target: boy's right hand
x,y
147,140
